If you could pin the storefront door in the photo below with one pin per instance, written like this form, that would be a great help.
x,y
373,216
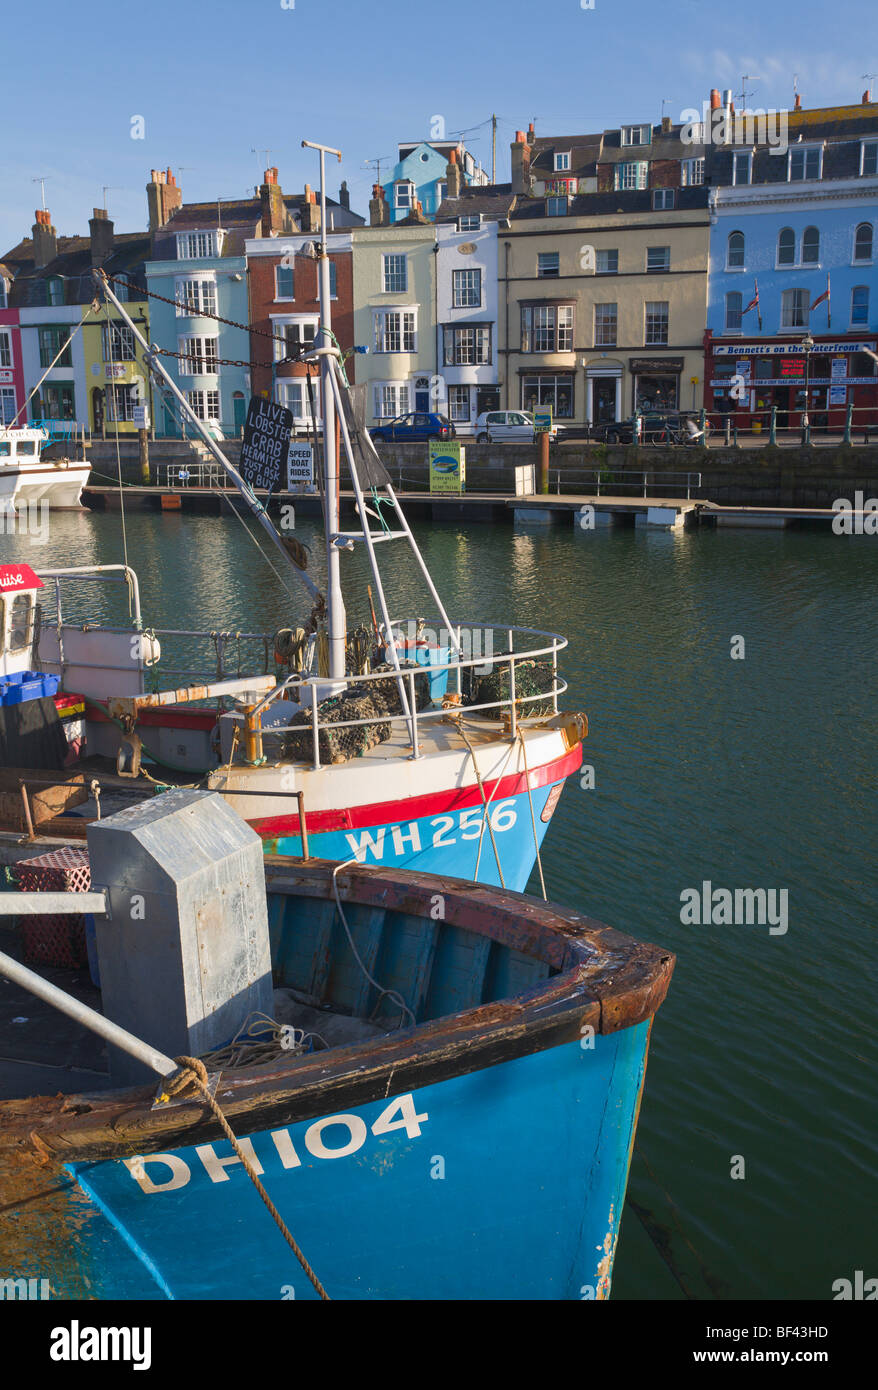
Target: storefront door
x,y
604,400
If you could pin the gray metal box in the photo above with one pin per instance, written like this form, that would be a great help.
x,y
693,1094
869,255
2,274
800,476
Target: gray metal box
x,y
184,954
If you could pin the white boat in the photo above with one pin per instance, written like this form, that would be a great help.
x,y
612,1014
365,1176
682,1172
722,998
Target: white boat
x,y
26,477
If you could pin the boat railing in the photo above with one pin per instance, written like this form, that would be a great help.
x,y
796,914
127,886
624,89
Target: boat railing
x,y
511,706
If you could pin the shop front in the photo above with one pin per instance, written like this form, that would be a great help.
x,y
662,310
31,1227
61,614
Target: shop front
x,y
655,383
748,380
603,388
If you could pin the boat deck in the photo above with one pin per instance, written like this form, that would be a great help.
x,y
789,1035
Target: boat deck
x,y
42,1051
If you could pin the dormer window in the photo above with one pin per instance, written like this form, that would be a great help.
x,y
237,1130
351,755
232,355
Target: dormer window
x,y
197,246
404,196
636,134
869,157
470,222
562,162
556,207
805,162
54,290
3,294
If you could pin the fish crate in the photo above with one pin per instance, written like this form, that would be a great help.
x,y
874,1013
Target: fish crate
x,y
56,938
20,686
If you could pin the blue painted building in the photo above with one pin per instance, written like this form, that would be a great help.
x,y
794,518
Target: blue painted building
x,y
198,275
420,175
792,311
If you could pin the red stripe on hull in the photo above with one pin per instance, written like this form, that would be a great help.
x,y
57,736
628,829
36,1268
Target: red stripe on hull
x,y
414,807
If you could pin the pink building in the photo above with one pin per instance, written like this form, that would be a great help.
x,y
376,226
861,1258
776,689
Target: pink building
x,y
11,370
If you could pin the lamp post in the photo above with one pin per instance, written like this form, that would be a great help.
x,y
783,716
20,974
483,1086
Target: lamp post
x,y
807,347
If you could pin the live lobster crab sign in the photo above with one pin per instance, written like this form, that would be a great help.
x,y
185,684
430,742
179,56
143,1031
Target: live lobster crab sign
x,y
266,445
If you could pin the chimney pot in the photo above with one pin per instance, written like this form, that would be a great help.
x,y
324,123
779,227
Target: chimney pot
x,y
867,97
798,102
530,132
715,102
519,137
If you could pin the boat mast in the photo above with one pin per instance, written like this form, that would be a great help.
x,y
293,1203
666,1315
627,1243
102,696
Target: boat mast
x,y
326,350
154,363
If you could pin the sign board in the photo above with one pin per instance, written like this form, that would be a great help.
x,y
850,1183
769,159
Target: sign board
x,y
13,577
140,417
779,349
266,444
115,371
543,421
447,466
838,391
792,366
300,466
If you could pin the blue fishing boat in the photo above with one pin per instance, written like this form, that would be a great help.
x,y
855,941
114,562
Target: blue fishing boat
x,y
462,1131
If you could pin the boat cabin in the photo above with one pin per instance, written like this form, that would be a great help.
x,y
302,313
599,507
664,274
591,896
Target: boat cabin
x,y
20,615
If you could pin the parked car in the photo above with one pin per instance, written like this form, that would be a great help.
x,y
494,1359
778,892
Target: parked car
x,y
416,425
514,425
654,423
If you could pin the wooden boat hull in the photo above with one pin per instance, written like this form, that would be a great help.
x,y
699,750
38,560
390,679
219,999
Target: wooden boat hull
x,y
482,1154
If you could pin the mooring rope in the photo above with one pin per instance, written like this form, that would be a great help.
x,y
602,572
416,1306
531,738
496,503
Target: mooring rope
x,y
533,819
194,1073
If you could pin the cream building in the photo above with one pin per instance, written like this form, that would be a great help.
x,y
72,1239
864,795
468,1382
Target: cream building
x,y
395,317
602,303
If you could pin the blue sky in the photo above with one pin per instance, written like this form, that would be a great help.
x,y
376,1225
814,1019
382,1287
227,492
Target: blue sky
x,y
212,80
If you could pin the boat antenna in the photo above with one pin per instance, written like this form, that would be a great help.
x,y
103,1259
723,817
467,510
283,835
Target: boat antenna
x,y
325,350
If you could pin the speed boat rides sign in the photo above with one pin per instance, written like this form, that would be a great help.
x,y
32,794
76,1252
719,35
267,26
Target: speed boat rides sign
x,y
266,445
447,466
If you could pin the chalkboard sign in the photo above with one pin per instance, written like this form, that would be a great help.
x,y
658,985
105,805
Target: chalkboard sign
x,y
266,445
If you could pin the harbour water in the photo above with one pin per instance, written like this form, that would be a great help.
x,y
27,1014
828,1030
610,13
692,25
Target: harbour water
x,y
730,684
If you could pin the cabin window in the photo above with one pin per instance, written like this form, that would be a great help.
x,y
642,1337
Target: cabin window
x,y
20,623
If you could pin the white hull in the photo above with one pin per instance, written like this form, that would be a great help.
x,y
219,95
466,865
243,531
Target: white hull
x,y
56,485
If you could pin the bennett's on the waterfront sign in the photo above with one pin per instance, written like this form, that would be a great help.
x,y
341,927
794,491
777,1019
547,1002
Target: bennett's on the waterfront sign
x,y
792,349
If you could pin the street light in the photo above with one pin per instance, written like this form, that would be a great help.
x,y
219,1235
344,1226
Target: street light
x,y
807,347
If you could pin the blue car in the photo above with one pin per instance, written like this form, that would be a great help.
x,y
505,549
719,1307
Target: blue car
x,y
416,425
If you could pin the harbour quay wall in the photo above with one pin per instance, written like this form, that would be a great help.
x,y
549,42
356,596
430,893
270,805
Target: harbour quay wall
x,y
786,476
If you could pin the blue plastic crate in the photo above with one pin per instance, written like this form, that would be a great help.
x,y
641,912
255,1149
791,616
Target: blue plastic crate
x,y
26,685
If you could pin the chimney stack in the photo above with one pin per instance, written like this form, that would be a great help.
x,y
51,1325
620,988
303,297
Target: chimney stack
x,y
163,198
45,238
666,125
100,231
453,175
271,199
379,212
344,196
521,152
310,211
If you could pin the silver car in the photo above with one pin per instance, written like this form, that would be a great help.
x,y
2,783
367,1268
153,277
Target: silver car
x,y
513,425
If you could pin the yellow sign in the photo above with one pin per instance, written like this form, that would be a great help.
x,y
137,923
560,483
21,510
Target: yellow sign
x,y
447,466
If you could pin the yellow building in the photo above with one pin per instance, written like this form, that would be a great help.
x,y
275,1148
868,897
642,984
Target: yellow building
x,y
602,313
116,375
394,296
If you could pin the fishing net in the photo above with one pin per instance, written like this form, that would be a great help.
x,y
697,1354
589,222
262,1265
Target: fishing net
x,y
368,700
531,678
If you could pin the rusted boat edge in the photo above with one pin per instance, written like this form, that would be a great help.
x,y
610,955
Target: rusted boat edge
x,y
605,979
